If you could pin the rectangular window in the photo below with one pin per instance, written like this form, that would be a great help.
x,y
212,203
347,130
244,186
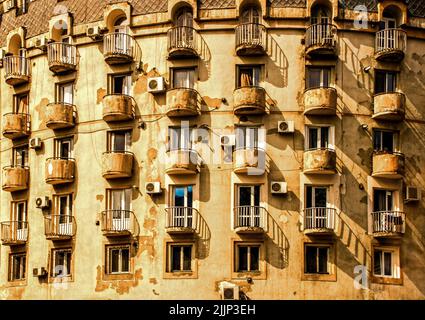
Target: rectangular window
x,y
183,78
247,258
319,137
247,137
385,262
63,148
118,208
65,93
316,197
248,195
318,77
180,138
61,263
385,141
180,257
248,76
17,266
21,102
385,81
383,200
119,141
118,259
20,156
120,84
182,196
316,259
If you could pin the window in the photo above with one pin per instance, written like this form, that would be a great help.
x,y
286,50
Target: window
x,y
119,141
118,208
384,141
248,195
248,137
385,81
316,197
318,77
121,25
23,6
63,148
21,103
61,263
63,207
65,93
20,156
248,76
320,14
19,216
120,84
182,196
319,138
17,266
118,259
184,17
179,258
383,200
316,259
180,138
247,258
386,262
183,78
250,15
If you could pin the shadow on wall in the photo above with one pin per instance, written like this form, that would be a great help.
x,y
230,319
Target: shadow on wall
x,y
278,246
277,64
204,59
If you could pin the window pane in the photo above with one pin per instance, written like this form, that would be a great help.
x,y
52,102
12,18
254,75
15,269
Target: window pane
x,y
379,82
391,82
312,138
179,196
175,254
243,259
125,260
310,259
377,262
244,196
314,78
118,141
388,141
16,267
387,263
175,136
255,258
257,196
246,77
324,137
187,258
326,76
377,136
323,260
118,84
189,196
309,197
320,197
114,260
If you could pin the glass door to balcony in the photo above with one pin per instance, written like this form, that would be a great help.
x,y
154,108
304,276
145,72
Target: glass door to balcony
x,y
63,148
180,138
383,200
122,42
318,78
66,93
316,197
385,82
319,138
384,141
182,203
19,218
20,156
247,137
119,141
317,209
121,84
248,76
63,218
21,104
183,78
184,35
120,206
251,18
389,38
248,206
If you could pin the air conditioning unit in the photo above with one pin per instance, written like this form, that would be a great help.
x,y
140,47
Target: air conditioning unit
x,y
35,143
156,85
229,291
39,272
285,126
228,140
10,4
93,32
153,187
41,43
278,187
42,202
413,194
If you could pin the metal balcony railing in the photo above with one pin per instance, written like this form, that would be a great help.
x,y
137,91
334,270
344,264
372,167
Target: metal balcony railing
x,y
119,221
319,218
16,66
181,217
183,37
14,232
59,226
251,34
321,34
390,40
62,53
388,222
250,216
121,44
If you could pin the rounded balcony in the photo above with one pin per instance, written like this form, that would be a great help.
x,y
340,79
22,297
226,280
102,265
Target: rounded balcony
x,y
119,223
320,40
62,57
183,42
16,125
59,170
388,224
14,233
183,102
181,220
60,115
320,161
117,164
389,165
319,221
249,100
17,70
389,106
390,45
320,101
59,227
251,39
118,107
120,48
250,219
15,178
182,161
249,160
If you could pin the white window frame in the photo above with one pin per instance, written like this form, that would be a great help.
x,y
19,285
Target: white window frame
x,y
22,266
395,262
112,137
65,92
68,268
109,248
58,147
252,187
331,136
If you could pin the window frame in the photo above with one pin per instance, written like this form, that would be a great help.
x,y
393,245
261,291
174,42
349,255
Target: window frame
x,y
111,136
317,258
331,262
386,84
23,264
322,70
60,92
396,267
127,85
185,274
58,142
15,153
257,72
17,98
69,275
330,138
261,274
108,259
188,69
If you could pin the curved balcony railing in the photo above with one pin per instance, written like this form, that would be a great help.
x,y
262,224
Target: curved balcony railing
x,y
61,57
250,219
388,164
320,101
60,170
183,102
321,38
119,223
183,41
15,178
60,115
388,222
389,106
391,44
249,100
251,39
117,164
120,48
320,161
181,219
183,161
319,219
59,226
16,125
17,69
14,232
118,107
249,160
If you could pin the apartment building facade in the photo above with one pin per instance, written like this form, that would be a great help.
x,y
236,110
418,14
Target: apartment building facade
x,y
207,149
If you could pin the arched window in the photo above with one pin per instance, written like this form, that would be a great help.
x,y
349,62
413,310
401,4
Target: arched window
x,y
250,15
320,15
121,25
184,18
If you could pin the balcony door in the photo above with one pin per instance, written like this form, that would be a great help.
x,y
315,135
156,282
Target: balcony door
x,y
119,141
385,141
65,93
21,103
383,200
317,213
318,77
389,39
251,31
20,156
248,205
63,148
385,82
316,197
180,138
63,216
248,76
319,138
184,34
247,137
184,78
182,203
121,84
120,204
19,218
121,40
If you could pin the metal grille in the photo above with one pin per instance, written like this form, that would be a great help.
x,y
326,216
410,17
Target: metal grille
x,y
417,8
287,3
371,5
216,4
